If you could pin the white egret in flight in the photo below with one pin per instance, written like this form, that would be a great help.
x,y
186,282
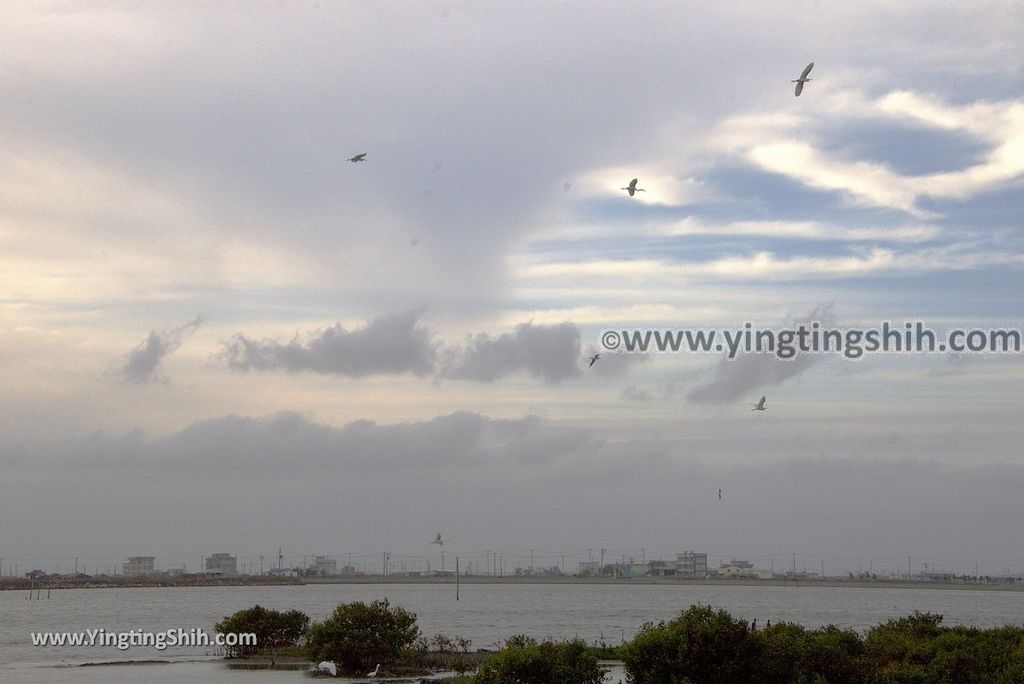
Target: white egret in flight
x,y
803,79
358,158
759,406
632,189
438,540
593,360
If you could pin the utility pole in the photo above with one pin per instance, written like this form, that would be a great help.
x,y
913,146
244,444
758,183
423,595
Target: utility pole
x,y
531,561
794,565
280,558
909,570
261,565
456,578
822,569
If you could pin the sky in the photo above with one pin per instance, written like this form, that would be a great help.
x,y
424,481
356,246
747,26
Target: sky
x,y
218,335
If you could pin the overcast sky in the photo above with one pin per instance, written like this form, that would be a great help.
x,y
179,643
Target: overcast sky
x,y
216,334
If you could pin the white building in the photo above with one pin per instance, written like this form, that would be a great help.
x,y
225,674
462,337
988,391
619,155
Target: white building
x,y
222,563
323,565
691,564
139,566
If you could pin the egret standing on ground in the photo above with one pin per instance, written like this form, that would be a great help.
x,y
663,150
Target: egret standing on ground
x,y
632,189
759,406
374,673
329,667
803,79
358,158
593,360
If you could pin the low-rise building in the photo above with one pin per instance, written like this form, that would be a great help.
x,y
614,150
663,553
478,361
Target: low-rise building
x,y
691,564
139,566
324,565
222,563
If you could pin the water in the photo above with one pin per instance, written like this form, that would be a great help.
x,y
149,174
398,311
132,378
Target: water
x,y
486,613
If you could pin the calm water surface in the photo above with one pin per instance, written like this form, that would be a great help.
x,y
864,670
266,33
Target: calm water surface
x,y
486,613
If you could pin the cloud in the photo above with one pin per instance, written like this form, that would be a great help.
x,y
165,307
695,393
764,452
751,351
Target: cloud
x,y
786,144
393,343
551,352
400,343
143,361
638,394
737,377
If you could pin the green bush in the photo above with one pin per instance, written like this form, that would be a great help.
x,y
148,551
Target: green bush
x,y
524,661
357,636
273,629
702,645
836,656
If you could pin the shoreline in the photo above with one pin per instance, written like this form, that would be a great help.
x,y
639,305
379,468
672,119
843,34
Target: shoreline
x,y
135,583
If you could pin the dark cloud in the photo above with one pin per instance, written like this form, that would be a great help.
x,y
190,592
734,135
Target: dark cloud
x,y
142,362
393,343
400,343
291,440
551,352
738,377
492,483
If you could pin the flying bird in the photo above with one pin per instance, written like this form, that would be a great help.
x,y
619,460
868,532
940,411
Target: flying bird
x,y
593,360
803,79
438,540
374,673
632,189
719,493
329,667
358,158
759,406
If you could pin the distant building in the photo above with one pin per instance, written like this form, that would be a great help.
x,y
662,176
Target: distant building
x,y
139,566
738,569
690,564
588,569
283,572
661,568
222,563
323,565
639,569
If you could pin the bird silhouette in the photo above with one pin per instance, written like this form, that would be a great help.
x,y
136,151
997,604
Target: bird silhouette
x,y
803,79
632,189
